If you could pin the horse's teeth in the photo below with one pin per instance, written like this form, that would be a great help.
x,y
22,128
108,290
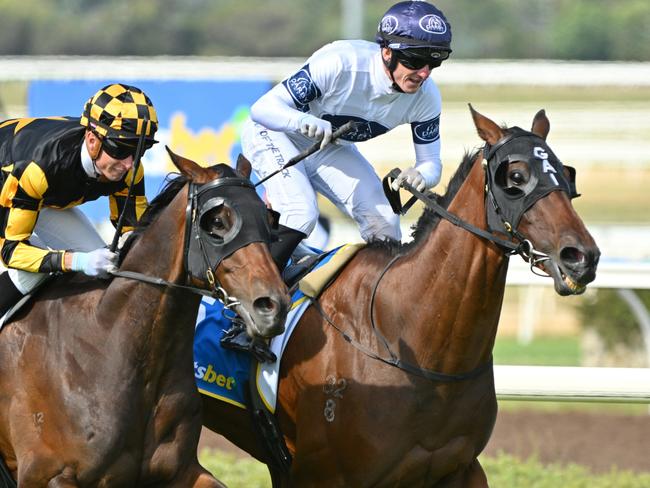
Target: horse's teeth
x,y
573,286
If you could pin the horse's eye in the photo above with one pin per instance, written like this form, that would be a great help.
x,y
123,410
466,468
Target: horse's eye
x,y
218,224
518,177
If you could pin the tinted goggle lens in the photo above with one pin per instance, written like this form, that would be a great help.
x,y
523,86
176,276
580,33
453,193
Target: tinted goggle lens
x,y
432,58
122,150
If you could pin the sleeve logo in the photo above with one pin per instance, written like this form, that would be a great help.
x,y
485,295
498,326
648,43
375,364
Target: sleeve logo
x,y
301,87
426,132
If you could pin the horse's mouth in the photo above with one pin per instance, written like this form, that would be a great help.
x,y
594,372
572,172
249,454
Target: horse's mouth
x,y
266,329
564,284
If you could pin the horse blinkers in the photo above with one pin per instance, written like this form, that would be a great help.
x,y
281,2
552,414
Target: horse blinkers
x,y
517,178
216,213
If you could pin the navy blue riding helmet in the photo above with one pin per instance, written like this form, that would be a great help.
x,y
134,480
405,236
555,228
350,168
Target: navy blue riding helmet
x,y
417,33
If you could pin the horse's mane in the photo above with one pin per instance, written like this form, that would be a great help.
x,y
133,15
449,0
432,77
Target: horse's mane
x,y
172,185
429,220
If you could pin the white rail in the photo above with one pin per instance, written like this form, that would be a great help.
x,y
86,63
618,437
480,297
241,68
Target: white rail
x,y
483,72
573,384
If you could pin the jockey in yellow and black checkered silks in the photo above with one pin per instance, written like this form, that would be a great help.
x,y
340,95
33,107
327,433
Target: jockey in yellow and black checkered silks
x,y
51,164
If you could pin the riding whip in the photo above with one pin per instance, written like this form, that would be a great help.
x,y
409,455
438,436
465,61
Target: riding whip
x,y
138,156
344,129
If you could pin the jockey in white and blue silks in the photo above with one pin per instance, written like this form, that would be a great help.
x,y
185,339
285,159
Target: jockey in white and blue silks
x,y
380,86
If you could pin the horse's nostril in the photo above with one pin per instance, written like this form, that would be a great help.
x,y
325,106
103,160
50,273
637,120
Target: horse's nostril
x,y
572,256
265,305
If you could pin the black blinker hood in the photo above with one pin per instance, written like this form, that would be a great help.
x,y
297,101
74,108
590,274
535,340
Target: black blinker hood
x,y
505,206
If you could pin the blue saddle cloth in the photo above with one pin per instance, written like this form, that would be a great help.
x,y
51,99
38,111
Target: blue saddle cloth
x,y
219,372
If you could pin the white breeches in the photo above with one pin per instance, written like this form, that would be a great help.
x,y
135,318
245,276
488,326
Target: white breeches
x,y
339,172
67,229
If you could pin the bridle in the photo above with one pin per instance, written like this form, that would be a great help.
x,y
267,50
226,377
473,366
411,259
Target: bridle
x,y
500,216
203,250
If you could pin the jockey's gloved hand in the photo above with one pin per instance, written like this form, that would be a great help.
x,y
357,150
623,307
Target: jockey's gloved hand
x,y
411,176
316,128
99,262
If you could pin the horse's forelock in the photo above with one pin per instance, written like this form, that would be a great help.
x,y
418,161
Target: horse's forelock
x,y
224,171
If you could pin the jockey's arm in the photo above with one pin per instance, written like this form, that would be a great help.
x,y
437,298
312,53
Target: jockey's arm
x,y
21,199
276,110
427,162
425,131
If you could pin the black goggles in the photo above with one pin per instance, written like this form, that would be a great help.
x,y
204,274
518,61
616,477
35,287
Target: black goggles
x,y
121,149
412,60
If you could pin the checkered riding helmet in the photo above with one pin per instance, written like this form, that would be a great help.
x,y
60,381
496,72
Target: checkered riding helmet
x,y
120,111
414,24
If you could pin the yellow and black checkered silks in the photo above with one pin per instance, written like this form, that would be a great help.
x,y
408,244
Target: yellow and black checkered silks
x,y
40,167
120,111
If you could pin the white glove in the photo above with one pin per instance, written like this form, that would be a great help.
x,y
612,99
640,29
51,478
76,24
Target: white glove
x,y
411,176
95,263
316,128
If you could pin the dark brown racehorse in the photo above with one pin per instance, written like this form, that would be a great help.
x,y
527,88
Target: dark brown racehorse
x,y
97,385
407,398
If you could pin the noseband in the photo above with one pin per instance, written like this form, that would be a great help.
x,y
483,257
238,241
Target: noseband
x,y
204,249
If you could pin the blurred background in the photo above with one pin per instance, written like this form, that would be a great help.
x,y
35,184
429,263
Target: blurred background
x,y
586,62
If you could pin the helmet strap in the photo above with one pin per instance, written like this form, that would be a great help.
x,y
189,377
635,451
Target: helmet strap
x,y
391,65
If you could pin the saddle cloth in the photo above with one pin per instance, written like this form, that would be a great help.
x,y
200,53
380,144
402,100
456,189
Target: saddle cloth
x,y
224,373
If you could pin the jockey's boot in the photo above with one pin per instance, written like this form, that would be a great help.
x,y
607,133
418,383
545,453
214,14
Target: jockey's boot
x,y
282,249
9,294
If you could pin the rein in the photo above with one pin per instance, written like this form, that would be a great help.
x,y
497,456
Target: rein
x,y
523,248
217,292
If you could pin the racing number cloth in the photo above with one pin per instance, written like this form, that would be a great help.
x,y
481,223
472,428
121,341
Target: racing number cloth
x,y
40,162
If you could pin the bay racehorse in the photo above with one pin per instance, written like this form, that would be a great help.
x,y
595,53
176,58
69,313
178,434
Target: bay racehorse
x,y
97,385
387,380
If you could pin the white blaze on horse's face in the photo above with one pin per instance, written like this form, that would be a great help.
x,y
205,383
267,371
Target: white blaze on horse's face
x,y
539,153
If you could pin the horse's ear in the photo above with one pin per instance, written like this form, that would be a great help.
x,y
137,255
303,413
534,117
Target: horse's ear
x,y
487,130
541,125
244,166
189,168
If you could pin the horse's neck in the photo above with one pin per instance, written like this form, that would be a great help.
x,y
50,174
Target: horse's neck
x,y
155,312
456,282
